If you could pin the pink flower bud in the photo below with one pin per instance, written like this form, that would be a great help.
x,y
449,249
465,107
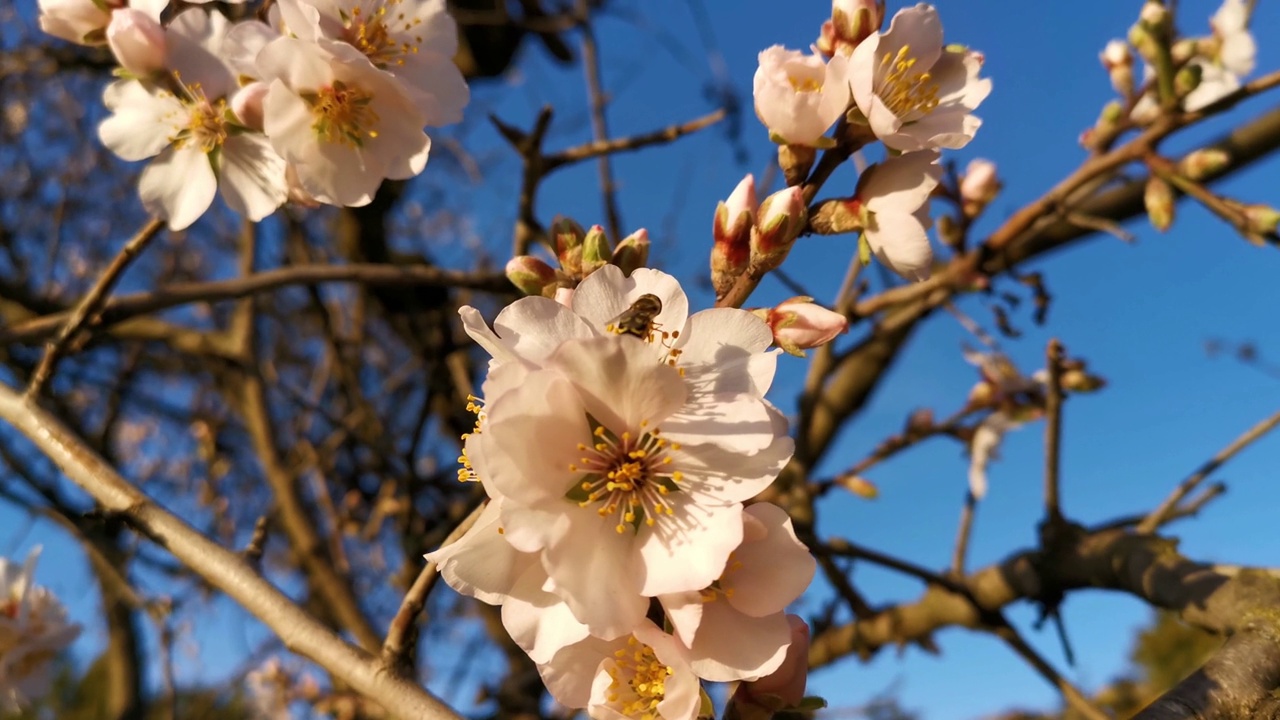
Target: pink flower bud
x,y
980,184
531,275
826,42
781,218
595,250
568,236
785,686
632,252
799,324
247,104
855,20
79,21
731,232
137,41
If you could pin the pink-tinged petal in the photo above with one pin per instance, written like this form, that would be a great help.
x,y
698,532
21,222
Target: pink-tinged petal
x,y
688,552
443,92
141,124
737,422
900,242
607,293
538,621
769,574
300,19
902,184
836,93
252,176
682,692
862,72
618,381
302,66
570,673
684,612
732,646
339,174
723,476
482,564
178,185
918,28
950,128
474,325
287,122
533,327
195,45
531,530
243,43
404,159
531,437
434,28
593,569
788,681
956,74
723,350
881,119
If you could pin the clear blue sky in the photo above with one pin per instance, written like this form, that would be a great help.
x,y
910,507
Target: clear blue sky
x,y
1140,314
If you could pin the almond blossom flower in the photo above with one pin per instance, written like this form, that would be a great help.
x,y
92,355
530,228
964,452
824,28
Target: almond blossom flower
x,y
798,97
33,631
342,123
784,687
894,197
198,150
413,41
736,629
83,22
137,41
642,676
916,93
1236,50
623,489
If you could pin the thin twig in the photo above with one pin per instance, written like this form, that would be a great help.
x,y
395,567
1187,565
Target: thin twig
x,y
1072,694
396,649
88,306
844,548
609,146
1159,515
599,124
1053,431
963,533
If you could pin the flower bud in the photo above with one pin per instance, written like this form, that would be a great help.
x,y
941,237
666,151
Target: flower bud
x,y
1079,381
568,237
795,161
950,231
595,250
859,486
838,215
798,324
780,220
1261,219
1158,199
246,104
979,186
1151,31
731,231
1183,50
82,22
1118,62
137,41
1187,79
855,20
826,42
532,276
1199,164
632,252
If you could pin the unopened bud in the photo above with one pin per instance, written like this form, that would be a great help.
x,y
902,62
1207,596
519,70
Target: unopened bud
x,y
1151,31
1154,14
137,41
1183,50
731,231
836,216
632,252
1158,199
781,219
1187,79
568,236
979,186
595,250
798,324
859,486
1079,381
855,20
246,104
982,394
1202,163
795,161
1261,219
532,276
826,42
950,231
1118,62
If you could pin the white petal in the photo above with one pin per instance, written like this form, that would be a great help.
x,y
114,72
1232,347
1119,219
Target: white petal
x,y
533,327
482,564
531,437
771,573
252,176
593,569
901,183
732,646
141,123
619,383
178,185
688,551
538,621
900,242
570,673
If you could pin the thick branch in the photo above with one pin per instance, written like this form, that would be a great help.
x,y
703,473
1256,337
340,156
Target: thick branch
x,y
224,569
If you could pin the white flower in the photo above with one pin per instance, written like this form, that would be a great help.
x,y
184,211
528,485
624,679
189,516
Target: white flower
x,y
197,150
1216,82
643,676
33,631
737,629
894,197
343,124
916,93
1237,50
798,97
414,41
985,448
83,22
625,490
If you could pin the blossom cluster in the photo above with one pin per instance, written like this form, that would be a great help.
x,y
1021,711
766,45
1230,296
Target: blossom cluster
x,y
902,87
33,631
319,104
617,440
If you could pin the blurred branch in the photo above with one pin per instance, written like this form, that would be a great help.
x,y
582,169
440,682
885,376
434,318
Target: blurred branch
x,y
225,570
598,102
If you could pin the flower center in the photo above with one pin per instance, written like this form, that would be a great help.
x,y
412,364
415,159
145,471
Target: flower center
x,y
626,477
467,473
205,124
903,91
344,114
805,84
380,34
722,587
638,681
